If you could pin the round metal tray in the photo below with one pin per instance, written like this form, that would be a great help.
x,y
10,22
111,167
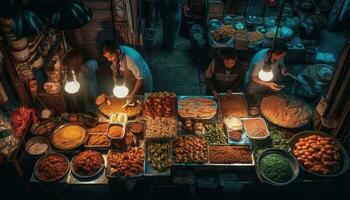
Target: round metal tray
x,y
296,127
290,157
77,145
55,179
345,157
34,140
75,173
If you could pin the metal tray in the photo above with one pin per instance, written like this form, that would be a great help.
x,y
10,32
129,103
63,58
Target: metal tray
x,y
97,147
245,103
231,164
108,170
190,163
87,176
345,158
55,179
217,116
74,147
137,97
297,127
148,169
100,178
256,138
160,138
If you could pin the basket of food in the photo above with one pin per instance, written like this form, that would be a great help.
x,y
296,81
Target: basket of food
x,y
87,164
51,167
218,39
69,136
319,154
277,167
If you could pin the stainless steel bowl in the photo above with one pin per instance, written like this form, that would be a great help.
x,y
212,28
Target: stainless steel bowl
x,y
77,174
36,167
292,161
34,140
345,158
215,24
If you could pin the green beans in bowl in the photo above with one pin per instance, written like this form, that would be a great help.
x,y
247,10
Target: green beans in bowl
x,y
277,167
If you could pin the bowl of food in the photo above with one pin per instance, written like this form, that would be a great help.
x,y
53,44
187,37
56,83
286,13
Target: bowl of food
x,y
116,131
69,136
51,167
87,164
277,167
136,127
38,145
319,154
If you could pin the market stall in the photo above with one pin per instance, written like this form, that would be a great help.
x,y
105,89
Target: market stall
x,y
171,133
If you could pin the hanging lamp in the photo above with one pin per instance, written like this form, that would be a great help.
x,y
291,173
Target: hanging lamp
x,y
266,74
70,15
27,23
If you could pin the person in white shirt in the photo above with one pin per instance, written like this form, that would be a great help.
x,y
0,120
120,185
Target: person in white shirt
x,y
131,65
253,85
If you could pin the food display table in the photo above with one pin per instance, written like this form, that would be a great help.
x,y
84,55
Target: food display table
x,y
185,157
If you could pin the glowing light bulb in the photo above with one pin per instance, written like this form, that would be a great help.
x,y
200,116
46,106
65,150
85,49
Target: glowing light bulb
x,y
120,91
72,87
265,76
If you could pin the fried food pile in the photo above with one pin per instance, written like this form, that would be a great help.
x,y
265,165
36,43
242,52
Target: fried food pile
x,y
129,163
52,167
87,162
318,154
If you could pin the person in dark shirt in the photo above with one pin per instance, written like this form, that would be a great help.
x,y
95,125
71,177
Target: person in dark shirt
x,y
224,75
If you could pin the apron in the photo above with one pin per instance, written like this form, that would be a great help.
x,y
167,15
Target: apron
x,y
129,77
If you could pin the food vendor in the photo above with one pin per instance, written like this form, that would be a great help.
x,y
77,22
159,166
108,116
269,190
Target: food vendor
x,y
85,69
255,87
224,75
131,65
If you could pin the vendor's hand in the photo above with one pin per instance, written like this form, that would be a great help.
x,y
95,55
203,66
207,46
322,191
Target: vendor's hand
x,y
273,86
215,94
130,98
284,71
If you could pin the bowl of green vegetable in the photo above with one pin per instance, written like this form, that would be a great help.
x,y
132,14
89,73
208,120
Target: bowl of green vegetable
x,y
277,167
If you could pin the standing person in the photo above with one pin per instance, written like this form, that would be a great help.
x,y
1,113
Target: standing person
x,y
171,14
131,65
255,87
224,75
85,69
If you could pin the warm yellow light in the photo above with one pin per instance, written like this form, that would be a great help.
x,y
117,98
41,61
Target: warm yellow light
x,y
120,91
72,87
265,76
